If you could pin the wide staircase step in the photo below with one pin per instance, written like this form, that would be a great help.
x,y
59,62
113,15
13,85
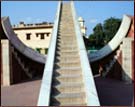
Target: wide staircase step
x,y
68,88
69,98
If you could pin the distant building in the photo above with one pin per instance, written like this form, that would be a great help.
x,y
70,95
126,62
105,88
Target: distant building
x,y
37,36
82,26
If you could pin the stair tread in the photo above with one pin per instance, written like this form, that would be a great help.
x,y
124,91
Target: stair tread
x,y
69,104
72,104
68,56
68,76
71,68
68,62
69,95
77,84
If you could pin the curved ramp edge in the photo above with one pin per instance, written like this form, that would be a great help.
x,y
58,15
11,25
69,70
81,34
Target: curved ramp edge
x,y
28,52
114,43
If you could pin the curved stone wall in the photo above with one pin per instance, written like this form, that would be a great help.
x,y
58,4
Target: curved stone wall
x,y
28,52
114,43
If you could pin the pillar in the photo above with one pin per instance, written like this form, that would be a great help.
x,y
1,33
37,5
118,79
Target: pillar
x,y
127,60
5,63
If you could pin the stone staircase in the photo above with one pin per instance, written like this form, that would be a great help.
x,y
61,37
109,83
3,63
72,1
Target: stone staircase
x,y
67,81
111,63
26,69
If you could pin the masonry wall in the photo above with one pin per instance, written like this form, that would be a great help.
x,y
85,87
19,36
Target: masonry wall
x,y
35,40
127,59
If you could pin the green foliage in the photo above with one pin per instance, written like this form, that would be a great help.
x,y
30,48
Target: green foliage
x,y
110,28
46,50
38,49
102,34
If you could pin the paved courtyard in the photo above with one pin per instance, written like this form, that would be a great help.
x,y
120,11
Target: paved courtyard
x,y
111,92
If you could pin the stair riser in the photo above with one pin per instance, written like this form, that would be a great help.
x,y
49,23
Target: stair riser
x,y
74,104
70,71
68,31
66,53
66,25
67,48
65,38
67,73
70,100
67,43
68,64
71,79
68,89
69,53
66,59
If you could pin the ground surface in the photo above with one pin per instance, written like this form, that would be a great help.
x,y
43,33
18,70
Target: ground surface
x,y
114,92
24,94
111,93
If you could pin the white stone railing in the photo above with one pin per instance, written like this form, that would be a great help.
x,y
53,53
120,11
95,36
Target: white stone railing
x,y
45,90
90,88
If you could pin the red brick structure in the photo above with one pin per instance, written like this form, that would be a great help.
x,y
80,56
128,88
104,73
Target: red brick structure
x,y
131,31
131,34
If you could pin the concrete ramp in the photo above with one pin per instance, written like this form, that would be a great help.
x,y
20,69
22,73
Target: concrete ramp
x,y
67,79
114,43
28,52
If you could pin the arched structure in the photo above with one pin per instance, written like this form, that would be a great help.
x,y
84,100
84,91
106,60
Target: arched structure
x,y
22,48
114,43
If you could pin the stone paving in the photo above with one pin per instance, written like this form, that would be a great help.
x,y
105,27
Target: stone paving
x,y
111,93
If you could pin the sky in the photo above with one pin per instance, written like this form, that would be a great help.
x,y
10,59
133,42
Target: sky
x,y
92,12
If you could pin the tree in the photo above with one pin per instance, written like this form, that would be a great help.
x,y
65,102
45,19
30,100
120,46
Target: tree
x,y
98,33
110,27
102,34
96,39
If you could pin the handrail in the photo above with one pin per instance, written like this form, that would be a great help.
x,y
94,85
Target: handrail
x,y
90,88
45,90
114,43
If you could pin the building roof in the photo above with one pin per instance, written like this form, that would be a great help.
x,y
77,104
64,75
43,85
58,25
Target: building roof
x,y
22,25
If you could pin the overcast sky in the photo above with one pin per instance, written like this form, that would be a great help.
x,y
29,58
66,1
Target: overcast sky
x,y
93,12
